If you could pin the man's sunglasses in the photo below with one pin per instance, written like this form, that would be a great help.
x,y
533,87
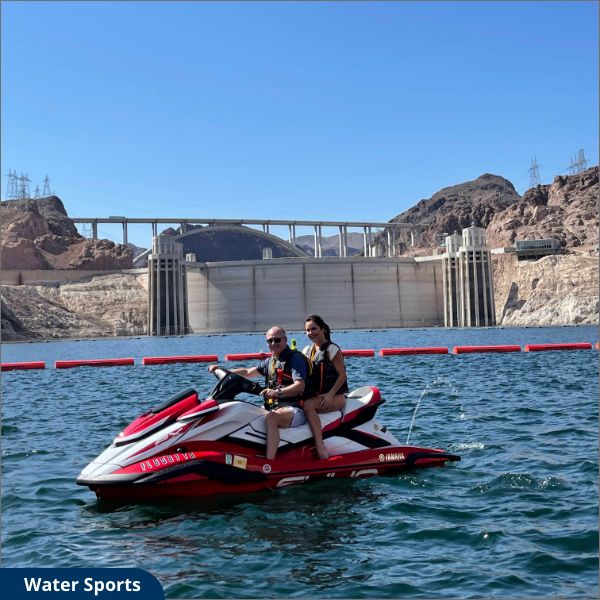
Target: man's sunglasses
x,y
274,340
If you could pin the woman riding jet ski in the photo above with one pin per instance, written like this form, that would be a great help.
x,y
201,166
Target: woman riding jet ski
x,y
189,447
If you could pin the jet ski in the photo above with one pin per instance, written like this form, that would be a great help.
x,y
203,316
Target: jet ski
x,y
188,447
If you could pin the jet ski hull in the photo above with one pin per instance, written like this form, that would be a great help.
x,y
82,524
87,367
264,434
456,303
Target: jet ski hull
x,y
191,448
211,473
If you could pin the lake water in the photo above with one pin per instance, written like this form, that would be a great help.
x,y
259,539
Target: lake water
x,y
516,518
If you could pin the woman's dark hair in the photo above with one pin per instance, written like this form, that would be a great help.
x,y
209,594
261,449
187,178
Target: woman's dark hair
x,y
319,321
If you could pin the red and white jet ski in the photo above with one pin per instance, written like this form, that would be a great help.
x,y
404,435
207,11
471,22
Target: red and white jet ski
x,y
188,447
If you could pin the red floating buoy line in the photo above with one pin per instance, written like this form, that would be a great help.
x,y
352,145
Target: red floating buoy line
x,y
166,360
471,349
248,356
405,351
22,366
213,358
544,347
358,352
97,362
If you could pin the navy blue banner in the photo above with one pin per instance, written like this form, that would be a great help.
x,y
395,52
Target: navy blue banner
x,y
80,584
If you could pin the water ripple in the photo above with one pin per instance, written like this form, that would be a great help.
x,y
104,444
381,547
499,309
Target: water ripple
x,y
516,518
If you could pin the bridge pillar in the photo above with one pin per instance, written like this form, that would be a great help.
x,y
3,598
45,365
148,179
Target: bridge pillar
x,y
343,241
94,230
292,233
124,233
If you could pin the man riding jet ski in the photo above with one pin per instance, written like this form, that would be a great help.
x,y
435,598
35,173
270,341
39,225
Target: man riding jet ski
x,y
189,447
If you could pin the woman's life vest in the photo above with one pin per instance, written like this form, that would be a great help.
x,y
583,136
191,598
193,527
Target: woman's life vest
x,y
324,374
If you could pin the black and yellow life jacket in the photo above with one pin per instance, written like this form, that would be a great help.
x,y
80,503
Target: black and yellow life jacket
x,y
324,374
279,374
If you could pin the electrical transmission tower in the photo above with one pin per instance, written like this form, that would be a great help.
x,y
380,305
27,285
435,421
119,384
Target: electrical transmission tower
x,y
46,191
534,173
11,186
23,187
578,164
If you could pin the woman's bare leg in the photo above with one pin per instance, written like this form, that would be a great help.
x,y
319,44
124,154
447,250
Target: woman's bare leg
x,y
314,422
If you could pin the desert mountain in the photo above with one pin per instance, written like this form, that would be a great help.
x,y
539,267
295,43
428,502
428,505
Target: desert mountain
x,y
331,245
38,234
566,210
456,207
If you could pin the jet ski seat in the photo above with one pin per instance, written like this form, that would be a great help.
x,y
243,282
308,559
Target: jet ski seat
x,y
356,401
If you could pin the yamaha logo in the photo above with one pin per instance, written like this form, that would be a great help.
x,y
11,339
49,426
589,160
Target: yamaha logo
x,y
394,456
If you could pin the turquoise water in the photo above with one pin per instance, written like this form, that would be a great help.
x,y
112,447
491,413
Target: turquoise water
x,y
516,518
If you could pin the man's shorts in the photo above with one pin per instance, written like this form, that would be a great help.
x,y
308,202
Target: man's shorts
x,y
299,417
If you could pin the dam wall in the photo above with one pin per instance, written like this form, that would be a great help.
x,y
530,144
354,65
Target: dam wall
x,y
353,293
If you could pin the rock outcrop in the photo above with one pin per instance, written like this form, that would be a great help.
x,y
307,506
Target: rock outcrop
x,y
566,210
107,305
38,234
554,290
456,207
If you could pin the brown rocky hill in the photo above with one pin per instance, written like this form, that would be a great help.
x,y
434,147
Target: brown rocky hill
x,y
566,210
38,234
456,207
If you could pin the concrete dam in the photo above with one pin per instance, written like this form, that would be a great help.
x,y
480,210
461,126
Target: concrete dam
x,y
353,293
453,288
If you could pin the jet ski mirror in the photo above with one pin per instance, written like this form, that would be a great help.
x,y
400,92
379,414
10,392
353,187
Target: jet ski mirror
x,y
231,384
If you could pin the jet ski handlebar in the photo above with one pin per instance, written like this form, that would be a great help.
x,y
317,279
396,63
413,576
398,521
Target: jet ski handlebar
x,y
231,384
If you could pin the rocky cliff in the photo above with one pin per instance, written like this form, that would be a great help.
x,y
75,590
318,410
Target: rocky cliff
x,y
554,290
108,305
566,210
456,207
38,234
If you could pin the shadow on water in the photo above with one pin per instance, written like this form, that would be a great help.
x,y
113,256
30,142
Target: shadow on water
x,y
297,519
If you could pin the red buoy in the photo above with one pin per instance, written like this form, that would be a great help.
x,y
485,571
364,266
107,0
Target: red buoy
x,y
21,366
99,362
402,351
164,360
542,347
358,352
470,349
248,356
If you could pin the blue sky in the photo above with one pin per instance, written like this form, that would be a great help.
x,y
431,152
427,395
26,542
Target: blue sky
x,y
291,110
